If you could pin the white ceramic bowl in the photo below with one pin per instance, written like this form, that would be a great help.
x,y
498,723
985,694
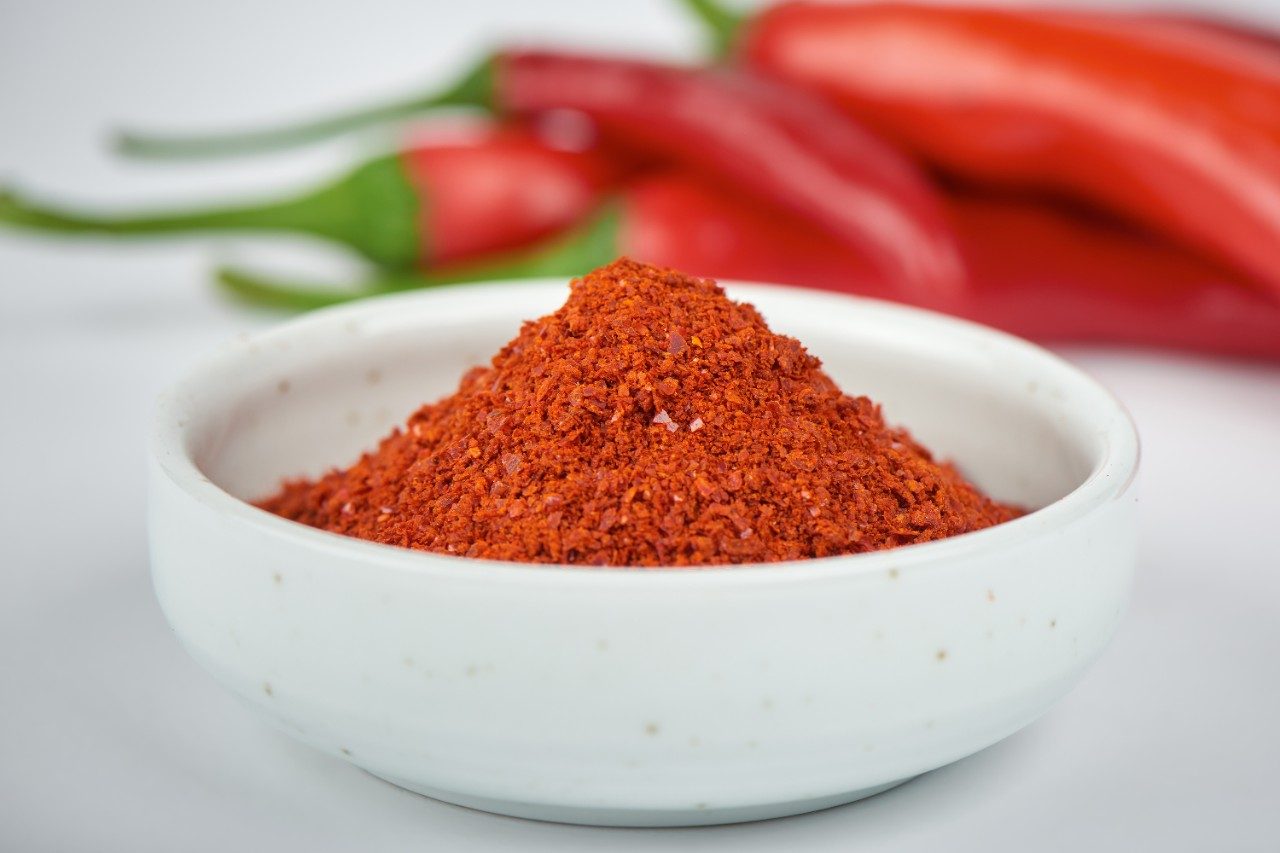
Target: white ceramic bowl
x,y
627,697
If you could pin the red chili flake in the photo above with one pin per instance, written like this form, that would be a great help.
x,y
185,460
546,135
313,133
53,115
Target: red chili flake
x,y
703,487
561,424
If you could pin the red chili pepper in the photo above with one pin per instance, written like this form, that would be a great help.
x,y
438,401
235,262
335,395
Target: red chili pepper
x,y
1045,274
770,142
669,219
1037,271
788,148
1174,26
1178,133
440,201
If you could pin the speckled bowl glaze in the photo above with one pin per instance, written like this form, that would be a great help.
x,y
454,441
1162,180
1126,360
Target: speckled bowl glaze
x,y
625,697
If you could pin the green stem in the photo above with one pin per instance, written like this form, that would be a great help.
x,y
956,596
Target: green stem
x,y
576,253
373,210
304,296
721,24
473,90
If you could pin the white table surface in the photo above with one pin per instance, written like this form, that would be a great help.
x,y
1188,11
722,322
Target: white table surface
x,y
111,739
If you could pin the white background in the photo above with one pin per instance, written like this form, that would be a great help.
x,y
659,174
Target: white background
x,y
112,740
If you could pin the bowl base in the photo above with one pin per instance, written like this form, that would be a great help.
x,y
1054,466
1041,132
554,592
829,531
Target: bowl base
x,y
695,815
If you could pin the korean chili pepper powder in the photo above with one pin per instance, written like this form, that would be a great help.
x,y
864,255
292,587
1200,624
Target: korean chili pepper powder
x,y
651,421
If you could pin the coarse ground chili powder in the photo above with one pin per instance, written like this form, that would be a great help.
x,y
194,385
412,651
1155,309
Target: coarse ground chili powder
x,y
650,421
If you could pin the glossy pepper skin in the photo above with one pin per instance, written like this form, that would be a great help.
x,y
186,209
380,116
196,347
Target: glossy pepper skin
x,y
504,190
783,147
1045,274
438,202
1174,129
787,148
1037,271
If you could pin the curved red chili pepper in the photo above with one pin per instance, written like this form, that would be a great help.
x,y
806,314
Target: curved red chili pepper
x,y
1037,271
784,147
788,148
440,201
1176,132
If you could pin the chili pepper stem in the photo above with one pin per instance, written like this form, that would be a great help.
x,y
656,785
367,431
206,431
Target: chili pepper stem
x,y
26,213
472,90
373,210
297,296
576,253
721,24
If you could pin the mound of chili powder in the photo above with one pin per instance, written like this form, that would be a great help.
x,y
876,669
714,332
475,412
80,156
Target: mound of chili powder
x,y
650,421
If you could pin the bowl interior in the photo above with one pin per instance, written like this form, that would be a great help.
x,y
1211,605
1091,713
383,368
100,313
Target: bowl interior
x,y
315,393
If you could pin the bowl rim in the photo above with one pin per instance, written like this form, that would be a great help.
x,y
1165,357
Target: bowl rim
x,y
1111,477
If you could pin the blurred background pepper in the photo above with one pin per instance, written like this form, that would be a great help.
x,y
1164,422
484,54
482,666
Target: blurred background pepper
x,y
779,144
1064,175
436,202
1172,126
1037,270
